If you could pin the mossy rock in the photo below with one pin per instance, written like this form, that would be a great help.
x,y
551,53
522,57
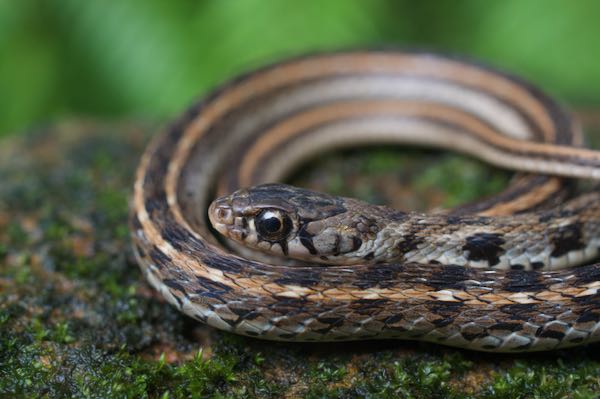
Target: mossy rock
x,y
77,319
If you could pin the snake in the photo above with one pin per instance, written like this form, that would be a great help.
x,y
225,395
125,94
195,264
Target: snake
x,y
224,241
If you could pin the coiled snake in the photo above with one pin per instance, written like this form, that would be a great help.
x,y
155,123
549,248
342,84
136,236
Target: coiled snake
x,y
486,276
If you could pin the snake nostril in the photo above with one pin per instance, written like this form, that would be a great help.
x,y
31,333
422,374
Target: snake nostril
x,y
224,215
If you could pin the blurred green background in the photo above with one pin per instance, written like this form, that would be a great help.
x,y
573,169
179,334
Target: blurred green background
x,y
149,59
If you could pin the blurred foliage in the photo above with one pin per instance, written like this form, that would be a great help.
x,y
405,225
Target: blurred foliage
x,y
150,58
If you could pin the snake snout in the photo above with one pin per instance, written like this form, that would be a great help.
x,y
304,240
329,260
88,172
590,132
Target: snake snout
x,y
220,214
226,220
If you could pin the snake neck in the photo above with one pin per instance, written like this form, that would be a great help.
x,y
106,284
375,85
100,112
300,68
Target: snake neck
x,y
544,240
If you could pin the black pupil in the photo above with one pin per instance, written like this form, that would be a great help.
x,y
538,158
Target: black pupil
x,y
272,224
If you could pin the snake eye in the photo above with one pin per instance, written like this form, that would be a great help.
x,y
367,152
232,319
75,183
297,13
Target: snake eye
x,y
273,225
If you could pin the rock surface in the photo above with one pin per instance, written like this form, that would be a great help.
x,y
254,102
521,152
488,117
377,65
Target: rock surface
x,y
77,318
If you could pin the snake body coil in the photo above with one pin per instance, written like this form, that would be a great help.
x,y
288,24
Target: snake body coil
x,y
259,127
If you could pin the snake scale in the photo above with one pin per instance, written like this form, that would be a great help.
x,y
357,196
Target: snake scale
x,y
494,275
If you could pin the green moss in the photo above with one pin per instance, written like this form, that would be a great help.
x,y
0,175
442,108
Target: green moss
x,y
552,378
78,320
461,179
410,179
410,376
16,236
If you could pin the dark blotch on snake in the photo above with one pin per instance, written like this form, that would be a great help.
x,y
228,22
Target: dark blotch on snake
x,y
158,257
445,309
587,275
551,334
484,246
506,326
300,277
140,250
519,311
356,243
568,238
331,321
229,265
468,220
336,246
552,214
442,322
156,204
286,306
469,336
588,317
211,289
453,220
369,256
523,281
244,313
176,286
135,222
284,247
382,276
393,319
180,238
306,240
449,277
409,243
367,306
537,265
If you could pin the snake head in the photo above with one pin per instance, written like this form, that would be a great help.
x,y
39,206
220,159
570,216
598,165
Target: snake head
x,y
286,220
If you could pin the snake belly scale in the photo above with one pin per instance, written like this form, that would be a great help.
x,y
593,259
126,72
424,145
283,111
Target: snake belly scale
x,y
259,127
